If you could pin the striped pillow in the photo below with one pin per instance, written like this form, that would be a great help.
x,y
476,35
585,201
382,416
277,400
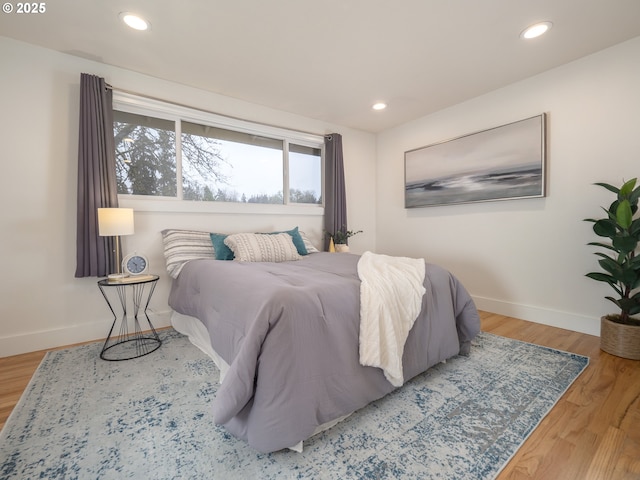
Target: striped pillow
x,y
307,243
180,246
261,247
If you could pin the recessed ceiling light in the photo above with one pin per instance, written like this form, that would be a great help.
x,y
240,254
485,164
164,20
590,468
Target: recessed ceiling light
x,y
536,30
134,21
379,106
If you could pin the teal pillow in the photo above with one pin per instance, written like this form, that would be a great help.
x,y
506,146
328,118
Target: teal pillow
x,y
297,240
221,250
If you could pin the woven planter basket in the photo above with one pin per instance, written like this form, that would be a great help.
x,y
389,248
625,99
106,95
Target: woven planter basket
x,y
620,340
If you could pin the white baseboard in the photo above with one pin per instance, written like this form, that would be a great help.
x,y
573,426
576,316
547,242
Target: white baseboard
x,y
545,316
72,334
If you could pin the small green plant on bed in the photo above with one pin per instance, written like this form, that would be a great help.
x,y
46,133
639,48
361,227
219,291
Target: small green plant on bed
x,y
341,236
621,266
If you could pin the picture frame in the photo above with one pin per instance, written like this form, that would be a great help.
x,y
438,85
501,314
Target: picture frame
x,y
500,163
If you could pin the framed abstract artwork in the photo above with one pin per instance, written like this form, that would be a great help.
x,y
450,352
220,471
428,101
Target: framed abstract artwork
x,y
500,163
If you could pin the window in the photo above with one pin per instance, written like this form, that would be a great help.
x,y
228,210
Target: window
x,y
145,155
305,183
246,168
177,153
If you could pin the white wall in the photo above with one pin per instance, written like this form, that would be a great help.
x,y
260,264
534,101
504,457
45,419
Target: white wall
x,y
41,303
527,258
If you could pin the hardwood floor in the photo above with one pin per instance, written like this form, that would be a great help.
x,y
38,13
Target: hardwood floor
x,y
593,433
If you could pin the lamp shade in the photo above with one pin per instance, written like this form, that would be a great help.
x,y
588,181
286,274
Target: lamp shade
x,y
113,222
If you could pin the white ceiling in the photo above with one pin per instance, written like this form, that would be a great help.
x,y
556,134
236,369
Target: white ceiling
x,y
332,59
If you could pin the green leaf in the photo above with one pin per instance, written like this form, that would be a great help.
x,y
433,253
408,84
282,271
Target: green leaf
x,y
603,245
617,302
608,187
605,228
611,211
603,277
604,255
611,266
627,188
625,245
626,304
635,195
624,216
627,276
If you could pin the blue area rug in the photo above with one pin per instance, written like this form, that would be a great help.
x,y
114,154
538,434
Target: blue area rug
x,y
84,418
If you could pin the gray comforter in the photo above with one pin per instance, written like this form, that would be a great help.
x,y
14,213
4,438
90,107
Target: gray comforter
x,y
289,332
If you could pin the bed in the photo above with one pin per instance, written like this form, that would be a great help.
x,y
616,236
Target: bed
x,y
286,336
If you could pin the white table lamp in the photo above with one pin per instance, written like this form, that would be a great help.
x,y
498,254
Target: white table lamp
x,y
114,222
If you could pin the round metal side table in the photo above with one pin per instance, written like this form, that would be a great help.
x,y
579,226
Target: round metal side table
x,y
125,343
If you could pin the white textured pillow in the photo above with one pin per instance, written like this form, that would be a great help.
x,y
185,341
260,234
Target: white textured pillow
x,y
180,246
257,247
307,243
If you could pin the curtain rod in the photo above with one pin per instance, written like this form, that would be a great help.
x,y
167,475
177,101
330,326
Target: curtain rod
x,y
150,97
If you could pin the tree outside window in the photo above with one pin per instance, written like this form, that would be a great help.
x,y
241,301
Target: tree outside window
x,y
216,164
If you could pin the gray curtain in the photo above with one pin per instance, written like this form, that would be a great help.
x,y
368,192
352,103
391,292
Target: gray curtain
x,y
96,177
335,204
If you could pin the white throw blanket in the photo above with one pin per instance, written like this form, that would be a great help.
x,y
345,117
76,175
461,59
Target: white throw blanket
x,y
390,301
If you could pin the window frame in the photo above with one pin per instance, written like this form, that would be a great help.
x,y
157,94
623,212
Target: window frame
x,y
131,103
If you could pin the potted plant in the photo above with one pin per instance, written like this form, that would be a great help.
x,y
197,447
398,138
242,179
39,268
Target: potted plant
x,y
340,238
620,332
